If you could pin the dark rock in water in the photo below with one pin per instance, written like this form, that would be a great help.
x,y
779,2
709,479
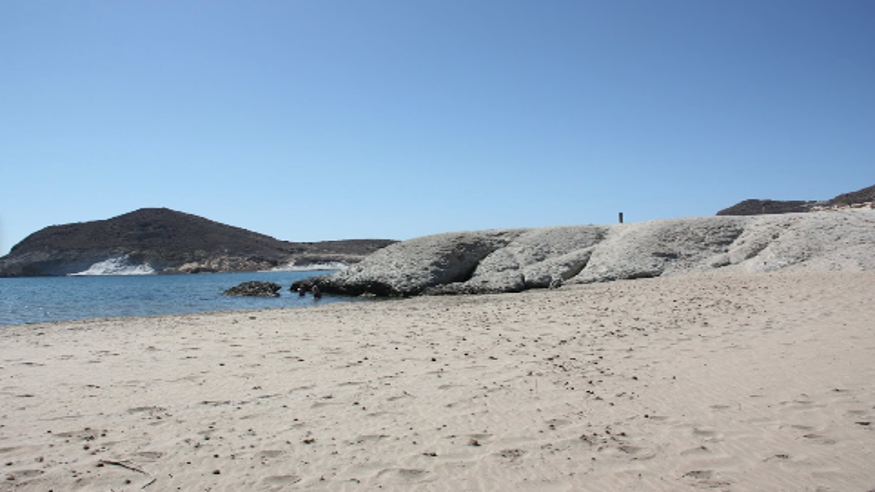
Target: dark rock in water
x,y
254,289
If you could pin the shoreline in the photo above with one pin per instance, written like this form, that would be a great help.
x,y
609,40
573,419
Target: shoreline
x,y
722,381
33,300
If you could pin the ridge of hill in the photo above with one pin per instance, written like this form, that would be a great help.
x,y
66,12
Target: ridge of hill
x,y
858,198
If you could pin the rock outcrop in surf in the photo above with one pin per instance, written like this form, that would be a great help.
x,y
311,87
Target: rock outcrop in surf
x,y
512,260
254,289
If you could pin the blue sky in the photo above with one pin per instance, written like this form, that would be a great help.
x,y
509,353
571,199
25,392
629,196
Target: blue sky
x,y
325,120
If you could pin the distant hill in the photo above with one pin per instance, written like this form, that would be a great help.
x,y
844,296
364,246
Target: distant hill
x,y
866,195
760,207
169,242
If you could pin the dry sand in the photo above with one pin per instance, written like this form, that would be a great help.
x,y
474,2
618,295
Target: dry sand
x,y
748,382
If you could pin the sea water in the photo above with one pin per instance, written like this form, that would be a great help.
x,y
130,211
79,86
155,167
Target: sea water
x,y
41,299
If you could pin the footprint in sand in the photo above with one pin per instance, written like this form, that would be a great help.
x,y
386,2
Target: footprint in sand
x,y
17,475
699,474
281,480
819,438
511,454
720,407
708,435
368,438
698,450
270,453
151,455
706,479
403,474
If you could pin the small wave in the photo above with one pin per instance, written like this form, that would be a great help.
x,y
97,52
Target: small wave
x,y
310,267
116,266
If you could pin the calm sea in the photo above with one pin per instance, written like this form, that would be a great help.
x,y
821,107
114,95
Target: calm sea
x,y
40,299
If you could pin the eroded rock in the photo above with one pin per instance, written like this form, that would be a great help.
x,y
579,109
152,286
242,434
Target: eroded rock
x,y
512,260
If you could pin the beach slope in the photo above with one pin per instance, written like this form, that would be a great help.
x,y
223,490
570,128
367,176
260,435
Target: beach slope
x,y
706,381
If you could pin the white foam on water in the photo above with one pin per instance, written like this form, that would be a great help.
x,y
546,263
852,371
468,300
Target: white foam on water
x,y
310,267
116,266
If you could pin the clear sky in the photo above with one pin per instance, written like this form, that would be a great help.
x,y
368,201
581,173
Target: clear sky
x,y
317,120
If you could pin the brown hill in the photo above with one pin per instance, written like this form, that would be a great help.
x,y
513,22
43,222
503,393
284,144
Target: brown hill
x,y
761,207
866,195
169,242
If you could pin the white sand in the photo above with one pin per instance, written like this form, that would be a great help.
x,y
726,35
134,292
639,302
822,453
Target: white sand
x,y
749,382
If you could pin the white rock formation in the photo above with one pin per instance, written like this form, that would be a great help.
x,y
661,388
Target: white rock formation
x,y
510,260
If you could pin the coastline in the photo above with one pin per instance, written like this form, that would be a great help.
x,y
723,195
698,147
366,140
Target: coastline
x,y
722,381
42,299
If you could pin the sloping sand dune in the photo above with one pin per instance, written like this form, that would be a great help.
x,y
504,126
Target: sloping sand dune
x,y
715,382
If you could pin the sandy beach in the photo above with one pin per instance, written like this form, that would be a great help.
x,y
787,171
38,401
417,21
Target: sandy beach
x,y
717,382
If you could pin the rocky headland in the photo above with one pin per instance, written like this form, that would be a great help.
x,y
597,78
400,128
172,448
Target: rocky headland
x,y
160,240
513,260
